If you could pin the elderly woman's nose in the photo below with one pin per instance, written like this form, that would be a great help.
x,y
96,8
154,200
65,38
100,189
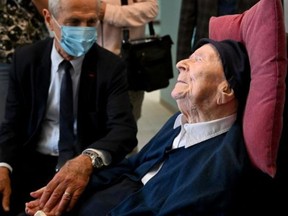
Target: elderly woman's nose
x,y
182,65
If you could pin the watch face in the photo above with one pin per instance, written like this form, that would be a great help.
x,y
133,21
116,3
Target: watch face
x,y
95,158
98,163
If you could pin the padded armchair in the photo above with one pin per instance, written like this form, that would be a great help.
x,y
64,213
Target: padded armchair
x,y
265,195
261,29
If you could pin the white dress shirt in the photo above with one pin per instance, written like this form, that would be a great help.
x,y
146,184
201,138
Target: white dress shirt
x,y
48,143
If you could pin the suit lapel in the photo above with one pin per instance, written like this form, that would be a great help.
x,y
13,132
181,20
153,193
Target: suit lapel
x,y
42,82
88,79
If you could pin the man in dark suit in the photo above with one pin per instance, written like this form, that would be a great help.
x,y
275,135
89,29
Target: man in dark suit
x,y
194,20
195,163
104,130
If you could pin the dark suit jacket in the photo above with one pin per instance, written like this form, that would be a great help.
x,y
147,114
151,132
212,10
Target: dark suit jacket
x,y
196,14
105,120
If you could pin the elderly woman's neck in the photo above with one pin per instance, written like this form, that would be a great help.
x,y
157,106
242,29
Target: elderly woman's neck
x,y
195,116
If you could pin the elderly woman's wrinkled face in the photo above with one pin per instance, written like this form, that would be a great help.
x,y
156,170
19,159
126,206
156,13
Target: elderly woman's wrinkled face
x,y
198,80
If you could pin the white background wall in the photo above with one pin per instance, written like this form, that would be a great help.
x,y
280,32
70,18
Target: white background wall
x,y
169,19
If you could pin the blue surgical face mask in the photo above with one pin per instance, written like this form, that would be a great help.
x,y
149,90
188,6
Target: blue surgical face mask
x,y
76,40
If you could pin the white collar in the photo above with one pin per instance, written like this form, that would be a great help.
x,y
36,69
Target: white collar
x,y
198,132
56,59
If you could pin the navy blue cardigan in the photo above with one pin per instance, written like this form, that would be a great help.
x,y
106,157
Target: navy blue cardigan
x,y
199,180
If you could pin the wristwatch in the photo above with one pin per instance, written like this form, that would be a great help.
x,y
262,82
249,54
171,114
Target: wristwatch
x,y
96,160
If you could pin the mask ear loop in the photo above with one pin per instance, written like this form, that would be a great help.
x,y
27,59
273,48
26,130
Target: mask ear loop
x,y
56,22
59,27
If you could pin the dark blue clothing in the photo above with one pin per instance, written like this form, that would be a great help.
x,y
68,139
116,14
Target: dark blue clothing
x,y
199,180
227,7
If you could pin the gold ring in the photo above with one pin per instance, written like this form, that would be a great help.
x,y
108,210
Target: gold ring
x,y
67,194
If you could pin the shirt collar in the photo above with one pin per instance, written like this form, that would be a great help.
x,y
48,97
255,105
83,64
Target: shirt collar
x,y
199,132
56,59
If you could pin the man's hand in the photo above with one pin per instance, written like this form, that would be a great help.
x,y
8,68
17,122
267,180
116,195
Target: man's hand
x,y
63,191
5,188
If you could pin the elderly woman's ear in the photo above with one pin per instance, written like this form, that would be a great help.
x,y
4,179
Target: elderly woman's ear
x,y
224,93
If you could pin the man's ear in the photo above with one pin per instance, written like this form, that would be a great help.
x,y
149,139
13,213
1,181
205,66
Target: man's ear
x,y
48,19
225,94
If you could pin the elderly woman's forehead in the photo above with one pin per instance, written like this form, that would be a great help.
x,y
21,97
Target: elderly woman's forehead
x,y
207,50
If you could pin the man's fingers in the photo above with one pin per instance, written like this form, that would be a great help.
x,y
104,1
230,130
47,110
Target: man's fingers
x,y
6,200
64,203
37,194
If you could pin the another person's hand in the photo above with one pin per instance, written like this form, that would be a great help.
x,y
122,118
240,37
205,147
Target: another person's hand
x,y
5,188
63,191
33,208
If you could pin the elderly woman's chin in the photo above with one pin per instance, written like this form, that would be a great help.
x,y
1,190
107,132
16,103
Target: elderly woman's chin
x,y
178,92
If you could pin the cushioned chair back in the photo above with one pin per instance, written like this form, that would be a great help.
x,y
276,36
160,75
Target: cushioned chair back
x,y
282,160
3,92
265,195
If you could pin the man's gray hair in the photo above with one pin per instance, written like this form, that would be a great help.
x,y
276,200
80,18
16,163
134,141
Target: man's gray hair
x,y
54,7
